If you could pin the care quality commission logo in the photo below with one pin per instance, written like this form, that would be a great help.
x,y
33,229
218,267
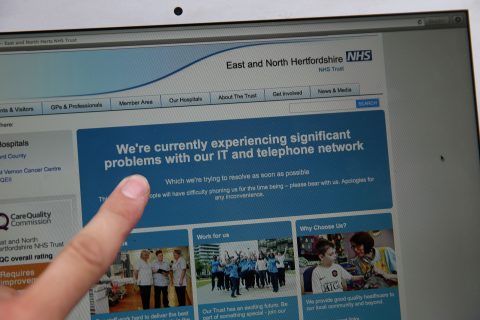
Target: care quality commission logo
x,y
4,221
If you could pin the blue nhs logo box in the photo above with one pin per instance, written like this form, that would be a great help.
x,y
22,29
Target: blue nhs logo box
x,y
359,55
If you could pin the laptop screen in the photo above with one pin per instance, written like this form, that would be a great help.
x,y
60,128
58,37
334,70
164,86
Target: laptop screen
x,y
299,169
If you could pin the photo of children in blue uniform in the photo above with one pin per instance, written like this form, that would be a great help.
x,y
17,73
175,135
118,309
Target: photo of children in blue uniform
x,y
245,270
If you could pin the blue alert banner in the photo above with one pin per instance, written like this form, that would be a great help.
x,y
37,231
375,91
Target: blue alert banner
x,y
235,170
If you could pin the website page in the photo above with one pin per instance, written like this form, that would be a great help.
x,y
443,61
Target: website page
x,y
270,165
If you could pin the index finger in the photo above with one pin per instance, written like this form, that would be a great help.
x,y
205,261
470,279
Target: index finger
x,y
88,255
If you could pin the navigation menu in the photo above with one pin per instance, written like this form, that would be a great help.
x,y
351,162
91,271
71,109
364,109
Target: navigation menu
x,y
336,90
238,96
291,93
185,99
20,109
73,106
136,102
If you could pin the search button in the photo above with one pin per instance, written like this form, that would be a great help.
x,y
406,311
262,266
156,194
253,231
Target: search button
x,y
368,103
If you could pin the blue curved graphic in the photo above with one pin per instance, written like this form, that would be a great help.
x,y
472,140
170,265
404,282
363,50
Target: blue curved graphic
x,y
94,72
89,72
177,70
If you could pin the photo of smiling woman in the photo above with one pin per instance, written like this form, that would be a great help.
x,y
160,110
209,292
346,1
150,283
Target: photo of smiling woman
x,y
144,277
179,268
370,259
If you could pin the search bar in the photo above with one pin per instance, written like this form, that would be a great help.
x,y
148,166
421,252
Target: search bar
x,y
320,106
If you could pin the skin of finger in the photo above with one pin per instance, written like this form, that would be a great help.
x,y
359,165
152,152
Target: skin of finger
x,y
7,292
84,260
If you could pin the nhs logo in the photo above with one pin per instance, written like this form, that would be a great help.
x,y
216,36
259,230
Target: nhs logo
x,y
359,55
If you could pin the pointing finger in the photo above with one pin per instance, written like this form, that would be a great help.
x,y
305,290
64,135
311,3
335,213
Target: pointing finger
x,y
88,255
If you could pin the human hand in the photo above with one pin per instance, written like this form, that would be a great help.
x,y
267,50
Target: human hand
x,y
378,271
385,275
83,261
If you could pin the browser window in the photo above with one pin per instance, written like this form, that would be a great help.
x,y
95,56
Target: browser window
x,y
271,150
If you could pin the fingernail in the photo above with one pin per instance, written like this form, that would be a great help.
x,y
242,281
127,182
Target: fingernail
x,y
135,186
